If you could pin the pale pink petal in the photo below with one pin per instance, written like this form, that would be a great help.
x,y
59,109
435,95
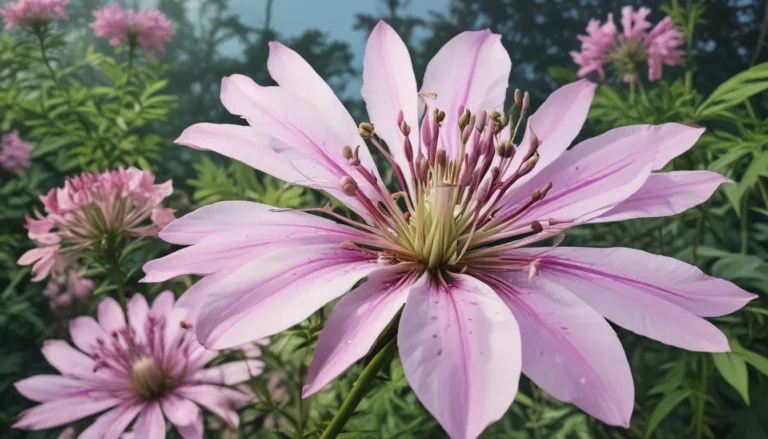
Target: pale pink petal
x,y
45,388
297,131
293,73
194,430
241,143
556,123
62,411
163,304
654,296
113,423
150,423
180,411
587,180
389,87
471,70
355,324
276,292
111,317
460,348
138,310
569,350
84,331
666,194
213,398
231,373
230,217
67,360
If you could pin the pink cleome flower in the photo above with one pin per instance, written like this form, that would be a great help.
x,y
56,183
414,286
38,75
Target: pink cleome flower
x,y
463,246
147,28
65,288
659,46
35,13
149,366
89,207
14,153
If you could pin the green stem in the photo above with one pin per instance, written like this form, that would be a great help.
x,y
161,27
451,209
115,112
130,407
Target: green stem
x,y
118,279
55,78
382,358
632,92
702,401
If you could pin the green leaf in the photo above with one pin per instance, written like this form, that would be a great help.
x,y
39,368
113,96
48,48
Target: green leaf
x,y
735,91
665,406
734,370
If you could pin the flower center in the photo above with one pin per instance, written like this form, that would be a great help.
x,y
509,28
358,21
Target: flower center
x,y
448,215
149,379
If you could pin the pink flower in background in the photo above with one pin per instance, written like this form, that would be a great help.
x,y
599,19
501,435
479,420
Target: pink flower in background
x,y
147,28
467,245
65,288
33,13
89,207
148,367
14,153
627,50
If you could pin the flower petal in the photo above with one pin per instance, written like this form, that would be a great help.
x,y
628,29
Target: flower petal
x,y
460,348
273,293
138,310
356,322
665,194
471,70
180,411
232,373
150,423
213,398
84,331
194,430
113,423
63,411
45,388
389,86
111,317
295,74
67,360
655,296
163,304
556,123
569,350
587,180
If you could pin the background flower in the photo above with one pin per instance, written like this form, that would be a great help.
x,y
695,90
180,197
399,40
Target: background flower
x,y
147,28
14,152
32,12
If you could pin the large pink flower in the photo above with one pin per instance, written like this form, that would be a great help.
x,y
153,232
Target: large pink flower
x,y
33,13
452,245
150,29
90,206
14,152
659,46
149,366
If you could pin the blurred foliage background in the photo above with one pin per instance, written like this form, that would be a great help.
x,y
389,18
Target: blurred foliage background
x,y
95,110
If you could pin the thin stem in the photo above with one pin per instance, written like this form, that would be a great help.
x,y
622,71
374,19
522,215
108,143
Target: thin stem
x,y
702,400
382,358
55,78
745,225
632,92
119,279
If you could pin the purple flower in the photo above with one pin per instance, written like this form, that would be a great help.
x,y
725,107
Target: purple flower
x,y
65,288
14,153
626,51
34,13
149,367
147,28
464,245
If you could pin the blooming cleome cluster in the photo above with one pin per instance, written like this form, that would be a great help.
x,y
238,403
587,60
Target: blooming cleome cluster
x,y
464,254
91,209
14,153
32,13
626,51
149,29
144,364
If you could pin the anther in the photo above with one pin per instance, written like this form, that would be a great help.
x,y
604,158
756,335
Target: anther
x,y
529,164
495,115
348,186
355,159
365,129
464,119
505,150
536,227
438,115
495,172
538,194
348,245
405,128
347,152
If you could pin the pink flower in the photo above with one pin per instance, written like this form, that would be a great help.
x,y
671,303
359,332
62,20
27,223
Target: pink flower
x,y
149,367
64,288
35,13
465,249
14,153
147,28
630,48
88,208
